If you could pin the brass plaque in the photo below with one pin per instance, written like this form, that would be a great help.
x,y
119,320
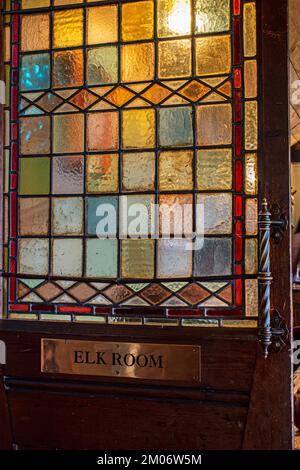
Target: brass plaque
x,y
128,360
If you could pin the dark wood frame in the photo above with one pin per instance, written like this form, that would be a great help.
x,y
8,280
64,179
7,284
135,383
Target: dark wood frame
x,y
268,382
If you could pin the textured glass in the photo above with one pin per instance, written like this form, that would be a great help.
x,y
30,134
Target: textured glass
x,y
34,216
102,131
67,257
214,257
156,93
137,21
214,124
119,96
138,128
35,72
138,171
97,216
35,175
176,171
67,217
251,288
250,74
137,215
176,215
102,173
137,62
68,133
217,213
175,259
102,258
249,29
251,256
175,127
33,256
68,69
68,28
35,3
214,169
251,174
138,259
251,125
212,16
35,32
102,65
251,216
35,135
174,18
213,55
102,24
67,174
174,58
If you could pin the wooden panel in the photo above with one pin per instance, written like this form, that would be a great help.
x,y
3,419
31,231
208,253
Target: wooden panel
x,y
6,440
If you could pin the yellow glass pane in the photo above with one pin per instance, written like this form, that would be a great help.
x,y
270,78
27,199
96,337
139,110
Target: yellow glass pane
x,y
214,124
137,62
138,259
139,128
174,18
35,3
251,289
102,24
249,29
174,58
35,32
68,28
251,176
138,171
212,16
102,173
214,169
251,256
68,133
251,125
66,2
213,55
251,216
250,74
137,21
176,171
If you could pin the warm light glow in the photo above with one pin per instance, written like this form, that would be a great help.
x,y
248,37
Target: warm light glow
x,y
201,22
180,18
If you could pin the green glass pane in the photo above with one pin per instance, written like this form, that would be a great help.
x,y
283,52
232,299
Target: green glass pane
x,y
35,175
102,258
102,65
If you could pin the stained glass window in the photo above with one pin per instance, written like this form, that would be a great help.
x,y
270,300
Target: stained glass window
x,y
123,117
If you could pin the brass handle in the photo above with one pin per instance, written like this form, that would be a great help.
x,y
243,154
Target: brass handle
x,y
266,331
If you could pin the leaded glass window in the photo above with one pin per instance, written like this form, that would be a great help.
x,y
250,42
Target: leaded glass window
x,y
131,108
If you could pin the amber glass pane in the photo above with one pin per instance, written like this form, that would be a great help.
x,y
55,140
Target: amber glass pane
x,y
212,16
102,173
251,216
249,29
214,124
214,169
139,128
174,18
138,259
102,131
102,24
68,133
35,3
34,216
250,78
251,176
174,58
251,288
70,21
102,65
251,125
137,62
35,32
68,68
176,171
137,21
213,55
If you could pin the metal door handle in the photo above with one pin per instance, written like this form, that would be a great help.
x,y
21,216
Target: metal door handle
x,y
266,331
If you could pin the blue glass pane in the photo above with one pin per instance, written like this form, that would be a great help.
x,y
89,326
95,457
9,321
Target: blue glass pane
x,y
35,72
102,213
175,127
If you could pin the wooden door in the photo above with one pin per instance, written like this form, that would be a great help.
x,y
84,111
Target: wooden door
x,y
205,68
